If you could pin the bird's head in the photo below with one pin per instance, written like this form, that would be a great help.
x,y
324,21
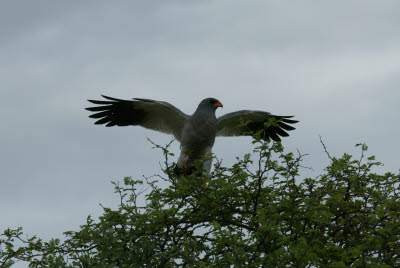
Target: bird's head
x,y
210,103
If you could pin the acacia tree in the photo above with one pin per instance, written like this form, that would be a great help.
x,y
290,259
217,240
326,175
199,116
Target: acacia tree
x,y
256,213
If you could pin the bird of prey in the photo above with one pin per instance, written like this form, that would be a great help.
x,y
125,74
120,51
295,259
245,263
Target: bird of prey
x,y
196,133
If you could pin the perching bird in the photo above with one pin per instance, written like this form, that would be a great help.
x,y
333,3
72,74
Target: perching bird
x,y
196,132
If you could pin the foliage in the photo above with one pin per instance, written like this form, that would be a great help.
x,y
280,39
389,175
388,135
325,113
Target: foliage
x,y
257,213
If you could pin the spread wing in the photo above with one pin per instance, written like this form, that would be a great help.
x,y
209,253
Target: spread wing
x,y
242,123
156,115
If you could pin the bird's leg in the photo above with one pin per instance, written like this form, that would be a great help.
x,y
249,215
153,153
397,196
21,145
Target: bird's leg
x,y
185,163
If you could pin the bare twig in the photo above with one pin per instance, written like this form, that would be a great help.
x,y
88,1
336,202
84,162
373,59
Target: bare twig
x,y
326,151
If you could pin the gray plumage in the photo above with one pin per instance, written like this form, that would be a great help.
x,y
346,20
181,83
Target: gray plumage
x,y
197,132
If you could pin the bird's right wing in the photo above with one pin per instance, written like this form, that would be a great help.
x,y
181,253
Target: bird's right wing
x,y
245,122
156,115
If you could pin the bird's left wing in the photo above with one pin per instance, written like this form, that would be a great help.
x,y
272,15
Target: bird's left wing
x,y
243,123
156,115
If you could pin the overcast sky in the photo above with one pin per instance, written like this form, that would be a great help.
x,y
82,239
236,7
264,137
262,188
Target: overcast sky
x,y
335,65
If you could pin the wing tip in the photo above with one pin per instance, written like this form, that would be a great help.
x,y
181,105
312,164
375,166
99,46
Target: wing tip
x,y
110,98
144,100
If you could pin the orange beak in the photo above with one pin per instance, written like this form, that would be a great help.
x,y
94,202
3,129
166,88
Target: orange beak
x,y
218,104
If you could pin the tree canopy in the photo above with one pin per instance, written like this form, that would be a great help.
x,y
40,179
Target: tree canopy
x,y
260,212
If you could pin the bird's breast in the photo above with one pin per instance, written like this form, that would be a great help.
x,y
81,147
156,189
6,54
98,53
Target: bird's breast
x,y
198,132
